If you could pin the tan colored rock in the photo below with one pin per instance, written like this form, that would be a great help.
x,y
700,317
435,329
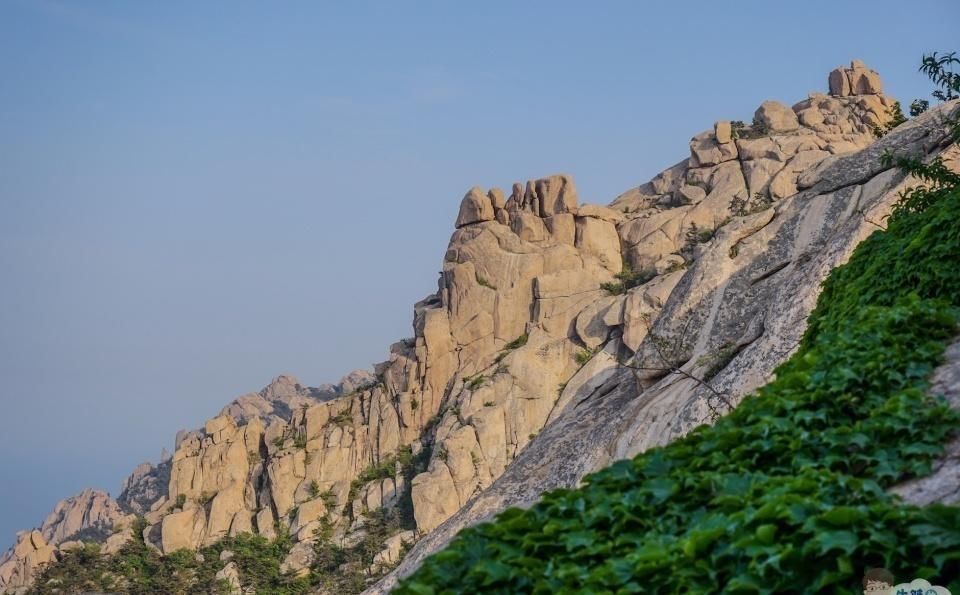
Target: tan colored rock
x,y
390,554
265,523
115,542
855,80
599,238
21,564
230,574
838,82
594,323
784,183
225,506
723,131
308,512
562,228
431,506
90,510
298,561
692,194
777,117
706,151
600,212
182,530
810,117
554,194
529,227
475,208
497,200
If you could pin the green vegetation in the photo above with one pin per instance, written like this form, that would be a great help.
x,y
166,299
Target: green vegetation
x,y
474,382
788,492
697,235
719,360
482,281
515,344
300,440
627,279
138,569
895,112
584,355
344,418
757,129
180,501
740,206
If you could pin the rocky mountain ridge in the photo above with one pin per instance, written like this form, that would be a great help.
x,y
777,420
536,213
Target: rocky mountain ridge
x,y
562,336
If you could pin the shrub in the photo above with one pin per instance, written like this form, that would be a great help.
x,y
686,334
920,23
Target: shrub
x,y
344,418
517,343
896,118
584,355
474,382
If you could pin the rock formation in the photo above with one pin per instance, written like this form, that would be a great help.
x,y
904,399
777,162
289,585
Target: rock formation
x,y
545,352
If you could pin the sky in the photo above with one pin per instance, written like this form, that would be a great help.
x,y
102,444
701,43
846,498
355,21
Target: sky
x,y
198,196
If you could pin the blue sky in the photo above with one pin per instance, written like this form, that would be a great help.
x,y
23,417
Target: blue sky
x,y
196,197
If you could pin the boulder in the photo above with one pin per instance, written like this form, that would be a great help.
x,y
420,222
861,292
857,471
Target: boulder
x,y
392,547
298,561
182,530
600,239
723,131
776,117
858,79
475,208
230,574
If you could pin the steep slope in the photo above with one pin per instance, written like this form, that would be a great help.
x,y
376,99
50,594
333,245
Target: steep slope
x,y
738,312
787,492
562,337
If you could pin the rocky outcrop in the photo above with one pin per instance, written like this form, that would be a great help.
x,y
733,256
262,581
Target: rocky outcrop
x,y
286,394
90,515
736,312
561,336
20,564
856,80
146,485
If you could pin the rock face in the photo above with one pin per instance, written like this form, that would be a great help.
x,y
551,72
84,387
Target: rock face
x,y
856,80
519,376
90,515
735,313
21,563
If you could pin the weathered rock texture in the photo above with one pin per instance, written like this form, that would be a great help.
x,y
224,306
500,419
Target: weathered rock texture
x,y
737,311
521,374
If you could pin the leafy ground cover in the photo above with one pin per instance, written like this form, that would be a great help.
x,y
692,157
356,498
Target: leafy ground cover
x,y
788,492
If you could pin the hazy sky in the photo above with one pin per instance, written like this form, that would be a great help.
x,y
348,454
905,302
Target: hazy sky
x,y
198,196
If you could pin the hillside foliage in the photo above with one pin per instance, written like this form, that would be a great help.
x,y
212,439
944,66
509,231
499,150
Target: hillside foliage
x,y
788,493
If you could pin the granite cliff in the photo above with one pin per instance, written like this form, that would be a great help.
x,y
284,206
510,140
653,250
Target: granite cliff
x,y
562,336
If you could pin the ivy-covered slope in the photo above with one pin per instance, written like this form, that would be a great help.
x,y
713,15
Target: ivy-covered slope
x,y
788,492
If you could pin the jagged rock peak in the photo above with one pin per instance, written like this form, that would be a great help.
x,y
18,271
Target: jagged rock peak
x,y
855,80
543,198
90,514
